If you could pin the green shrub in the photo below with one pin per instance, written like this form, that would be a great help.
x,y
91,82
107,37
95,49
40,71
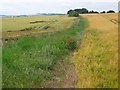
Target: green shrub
x,y
73,14
71,43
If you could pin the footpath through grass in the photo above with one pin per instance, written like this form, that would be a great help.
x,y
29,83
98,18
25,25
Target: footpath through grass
x,y
28,61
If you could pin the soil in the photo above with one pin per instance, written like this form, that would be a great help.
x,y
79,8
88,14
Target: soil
x,y
63,76
71,78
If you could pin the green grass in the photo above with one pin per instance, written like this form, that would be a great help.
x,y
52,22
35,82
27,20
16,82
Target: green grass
x,y
28,61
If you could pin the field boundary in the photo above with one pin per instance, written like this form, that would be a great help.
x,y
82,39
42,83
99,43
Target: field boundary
x,y
42,53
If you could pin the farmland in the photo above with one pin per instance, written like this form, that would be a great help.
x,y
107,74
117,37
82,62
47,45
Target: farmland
x,y
17,26
59,51
97,59
29,61
111,17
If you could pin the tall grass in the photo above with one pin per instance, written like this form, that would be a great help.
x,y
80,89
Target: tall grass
x,y
28,61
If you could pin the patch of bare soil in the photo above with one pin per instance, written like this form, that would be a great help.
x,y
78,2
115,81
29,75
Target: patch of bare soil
x,y
63,75
71,78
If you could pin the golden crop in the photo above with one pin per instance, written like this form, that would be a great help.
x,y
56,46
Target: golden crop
x,y
13,27
97,59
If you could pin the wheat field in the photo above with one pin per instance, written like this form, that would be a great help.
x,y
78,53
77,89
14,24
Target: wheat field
x,y
19,26
96,61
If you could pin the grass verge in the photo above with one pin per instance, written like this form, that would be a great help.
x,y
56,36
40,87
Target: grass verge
x,y
28,61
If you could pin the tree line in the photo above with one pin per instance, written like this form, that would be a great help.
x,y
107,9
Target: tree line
x,y
76,12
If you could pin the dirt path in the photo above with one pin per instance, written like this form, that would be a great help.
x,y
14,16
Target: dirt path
x,y
63,76
71,78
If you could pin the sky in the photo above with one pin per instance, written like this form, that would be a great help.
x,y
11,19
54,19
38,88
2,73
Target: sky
x,y
18,7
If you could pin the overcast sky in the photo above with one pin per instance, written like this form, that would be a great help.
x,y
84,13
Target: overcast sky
x,y
16,7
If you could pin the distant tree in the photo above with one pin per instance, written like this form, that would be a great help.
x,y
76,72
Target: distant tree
x,y
96,12
73,14
81,11
103,12
93,12
69,11
110,11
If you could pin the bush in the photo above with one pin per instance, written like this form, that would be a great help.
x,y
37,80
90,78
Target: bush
x,y
103,12
93,12
71,43
110,11
73,14
69,11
